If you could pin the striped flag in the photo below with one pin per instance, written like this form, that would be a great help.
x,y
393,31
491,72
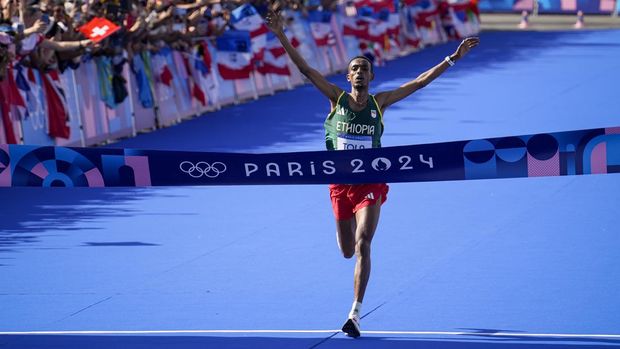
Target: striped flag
x,y
274,46
245,17
276,61
16,102
320,26
233,55
355,27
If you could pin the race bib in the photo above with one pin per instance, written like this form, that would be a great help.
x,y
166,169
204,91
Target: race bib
x,y
352,142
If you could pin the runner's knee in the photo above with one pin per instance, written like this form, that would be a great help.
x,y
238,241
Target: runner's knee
x,y
362,247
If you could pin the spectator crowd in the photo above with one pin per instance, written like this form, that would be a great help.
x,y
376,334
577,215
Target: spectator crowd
x,y
45,36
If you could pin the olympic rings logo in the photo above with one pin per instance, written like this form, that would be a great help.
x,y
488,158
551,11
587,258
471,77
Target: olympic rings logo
x,y
203,169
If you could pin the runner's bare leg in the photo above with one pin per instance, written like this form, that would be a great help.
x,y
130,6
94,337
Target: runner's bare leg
x,y
345,230
367,221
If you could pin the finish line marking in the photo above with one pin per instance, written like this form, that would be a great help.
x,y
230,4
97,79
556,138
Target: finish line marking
x,y
436,333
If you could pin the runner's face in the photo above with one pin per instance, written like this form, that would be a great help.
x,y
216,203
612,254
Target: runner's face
x,y
360,73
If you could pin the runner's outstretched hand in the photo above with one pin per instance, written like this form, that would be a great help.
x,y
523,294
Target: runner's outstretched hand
x,y
466,45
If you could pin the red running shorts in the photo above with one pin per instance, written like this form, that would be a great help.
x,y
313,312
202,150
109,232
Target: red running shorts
x,y
347,199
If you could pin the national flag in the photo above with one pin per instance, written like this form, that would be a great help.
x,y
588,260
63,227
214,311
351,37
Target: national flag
x,y
274,46
198,64
273,65
145,94
57,112
23,88
374,24
162,75
165,76
320,26
424,13
275,61
203,51
233,55
355,27
31,90
208,81
412,40
377,32
194,83
7,125
245,17
16,102
98,29
393,27
379,5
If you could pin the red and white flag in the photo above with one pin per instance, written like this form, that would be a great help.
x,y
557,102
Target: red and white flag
x,y
276,60
393,28
320,26
234,65
320,33
234,58
274,46
57,111
355,27
98,29
377,32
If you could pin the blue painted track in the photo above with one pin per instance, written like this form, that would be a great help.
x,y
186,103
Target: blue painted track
x,y
519,263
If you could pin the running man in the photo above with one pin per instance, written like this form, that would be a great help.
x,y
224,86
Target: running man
x,y
356,122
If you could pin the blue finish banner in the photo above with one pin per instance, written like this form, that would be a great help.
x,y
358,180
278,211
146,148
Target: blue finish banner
x,y
593,151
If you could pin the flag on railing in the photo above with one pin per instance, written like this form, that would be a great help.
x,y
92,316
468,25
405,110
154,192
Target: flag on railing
x,y
57,112
162,75
165,76
425,14
356,27
245,17
412,40
274,46
198,64
16,103
320,26
462,16
7,124
23,87
195,67
142,81
234,55
393,27
377,31
379,5
276,61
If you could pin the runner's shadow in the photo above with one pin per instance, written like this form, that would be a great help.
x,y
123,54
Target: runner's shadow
x,y
28,213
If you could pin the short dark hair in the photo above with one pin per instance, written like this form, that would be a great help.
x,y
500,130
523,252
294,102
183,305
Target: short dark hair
x,y
364,58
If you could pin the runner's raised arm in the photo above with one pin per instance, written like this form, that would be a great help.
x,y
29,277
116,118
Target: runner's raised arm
x,y
387,98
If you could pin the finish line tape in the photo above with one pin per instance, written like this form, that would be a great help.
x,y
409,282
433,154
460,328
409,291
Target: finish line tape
x,y
593,151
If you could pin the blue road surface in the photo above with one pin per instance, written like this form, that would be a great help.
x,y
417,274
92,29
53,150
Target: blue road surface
x,y
513,263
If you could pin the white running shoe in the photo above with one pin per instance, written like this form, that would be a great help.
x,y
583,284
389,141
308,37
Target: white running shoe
x,y
352,327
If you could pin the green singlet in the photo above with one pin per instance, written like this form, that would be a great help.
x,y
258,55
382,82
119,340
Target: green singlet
x,y
346,129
